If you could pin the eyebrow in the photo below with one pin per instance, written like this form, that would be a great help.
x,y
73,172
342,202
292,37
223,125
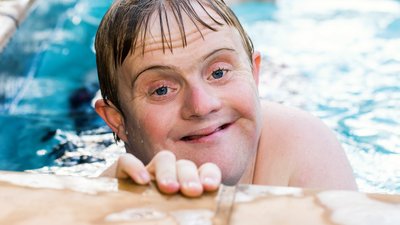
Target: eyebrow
x,y
167,67
216,51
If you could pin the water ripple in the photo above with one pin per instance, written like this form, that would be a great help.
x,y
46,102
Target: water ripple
x,y
344,61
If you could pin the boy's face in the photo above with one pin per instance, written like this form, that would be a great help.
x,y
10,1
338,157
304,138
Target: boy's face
x,y
200,102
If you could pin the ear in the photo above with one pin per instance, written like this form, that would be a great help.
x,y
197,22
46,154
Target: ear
x,y
256,66
113,117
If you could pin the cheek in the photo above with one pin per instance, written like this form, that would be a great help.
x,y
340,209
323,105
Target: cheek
x,y
148,131
245,97
246,103
154,122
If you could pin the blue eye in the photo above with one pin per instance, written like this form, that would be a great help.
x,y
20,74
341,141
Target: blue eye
x,y
161,90
218,74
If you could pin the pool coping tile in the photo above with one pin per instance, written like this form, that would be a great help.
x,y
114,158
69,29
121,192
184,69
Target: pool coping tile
x,y
12,12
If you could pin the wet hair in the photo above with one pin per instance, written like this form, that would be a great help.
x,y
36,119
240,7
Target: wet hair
x,y
124,27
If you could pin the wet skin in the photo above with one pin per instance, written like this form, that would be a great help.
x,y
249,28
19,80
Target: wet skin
x,y
194,118
199,102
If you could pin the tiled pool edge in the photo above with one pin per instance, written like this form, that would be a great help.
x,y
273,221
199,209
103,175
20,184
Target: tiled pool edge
x,y
12,12
44,199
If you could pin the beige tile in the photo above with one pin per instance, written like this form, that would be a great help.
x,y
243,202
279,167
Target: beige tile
x,y
11,14
7,28
16,9
48,199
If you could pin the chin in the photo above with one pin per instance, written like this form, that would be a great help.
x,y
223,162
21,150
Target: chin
x,y
231,177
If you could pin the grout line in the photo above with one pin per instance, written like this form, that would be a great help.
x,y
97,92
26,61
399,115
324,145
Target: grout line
x,y
19,9
11,17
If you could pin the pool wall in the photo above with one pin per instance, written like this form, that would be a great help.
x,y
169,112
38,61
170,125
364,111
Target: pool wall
x,y
11,15
109,201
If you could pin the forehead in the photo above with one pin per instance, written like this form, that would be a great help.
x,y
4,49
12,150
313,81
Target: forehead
x,y
171,28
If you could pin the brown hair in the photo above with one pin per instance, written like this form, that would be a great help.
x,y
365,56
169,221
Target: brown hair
x,y
126,23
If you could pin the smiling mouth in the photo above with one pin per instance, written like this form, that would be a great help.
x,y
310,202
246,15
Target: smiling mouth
x,y
195,137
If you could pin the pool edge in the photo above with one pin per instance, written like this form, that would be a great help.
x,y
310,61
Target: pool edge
x,y
12,13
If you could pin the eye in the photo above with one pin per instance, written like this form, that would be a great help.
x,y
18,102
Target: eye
x,y
219,73
163,90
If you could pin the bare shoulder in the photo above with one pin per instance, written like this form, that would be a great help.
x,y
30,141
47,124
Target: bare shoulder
x,y
300,150
297,124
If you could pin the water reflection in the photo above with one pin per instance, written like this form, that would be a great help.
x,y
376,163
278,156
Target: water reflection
x,y
338,59
344,60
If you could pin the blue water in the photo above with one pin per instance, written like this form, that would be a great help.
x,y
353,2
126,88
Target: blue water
x,y
48,78
339,60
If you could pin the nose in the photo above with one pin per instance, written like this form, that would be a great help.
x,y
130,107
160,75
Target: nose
x,y
200,101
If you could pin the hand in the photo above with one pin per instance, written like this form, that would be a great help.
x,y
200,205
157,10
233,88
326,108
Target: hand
x,y
171,175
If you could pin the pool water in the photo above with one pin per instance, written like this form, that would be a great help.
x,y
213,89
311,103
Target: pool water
x,y
48,79
340,60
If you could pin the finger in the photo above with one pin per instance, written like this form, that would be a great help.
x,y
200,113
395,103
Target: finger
x,y
210,176
163,167
110,171
188,178
130,166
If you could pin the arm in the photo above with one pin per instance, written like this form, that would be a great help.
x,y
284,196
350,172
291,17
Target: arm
x,y
171,175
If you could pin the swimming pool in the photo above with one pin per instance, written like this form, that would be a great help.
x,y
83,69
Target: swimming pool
x,y
339,60
48,79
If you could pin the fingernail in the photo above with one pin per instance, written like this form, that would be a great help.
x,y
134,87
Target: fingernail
x,y
168,182
192,185
144,177
209,181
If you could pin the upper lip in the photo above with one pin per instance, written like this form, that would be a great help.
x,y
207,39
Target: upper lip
x,y
204,131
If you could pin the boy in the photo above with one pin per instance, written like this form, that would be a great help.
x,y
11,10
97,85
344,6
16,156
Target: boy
x,y
179,85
